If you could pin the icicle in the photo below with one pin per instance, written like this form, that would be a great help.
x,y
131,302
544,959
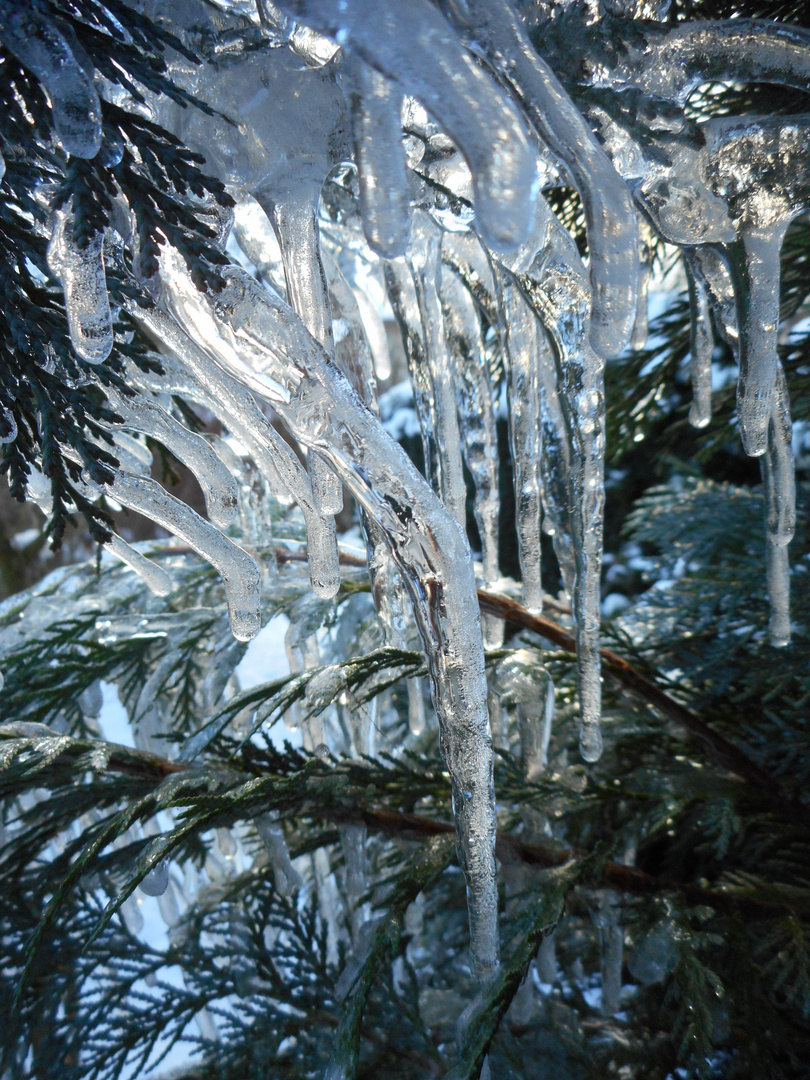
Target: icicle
x,y
81,272
256,237
295,218
555,289
218,486
755,271
259,338
155,577
288,880
611,952
526,686
417,307
239,572
441,419
641,325
353,841
377,128
2,168
157,880
476,412
779,487
525,436
416,708
413,45
556,465
497,32
227,397
10,424
40,47
771,156
701,348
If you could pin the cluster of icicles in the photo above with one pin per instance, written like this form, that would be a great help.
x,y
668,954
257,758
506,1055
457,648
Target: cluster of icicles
x,y
455,126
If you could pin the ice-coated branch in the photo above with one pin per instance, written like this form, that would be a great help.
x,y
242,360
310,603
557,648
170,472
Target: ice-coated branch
x,y
493,29
259,338
417,48
672,64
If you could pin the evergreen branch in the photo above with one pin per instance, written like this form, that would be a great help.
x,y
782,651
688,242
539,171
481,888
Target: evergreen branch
x,y
313,790
723,752
536,918
382,942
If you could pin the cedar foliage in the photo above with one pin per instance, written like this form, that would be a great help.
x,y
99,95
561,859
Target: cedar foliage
x,y
714,913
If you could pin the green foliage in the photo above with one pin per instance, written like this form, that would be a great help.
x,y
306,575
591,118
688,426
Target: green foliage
x,y
361,965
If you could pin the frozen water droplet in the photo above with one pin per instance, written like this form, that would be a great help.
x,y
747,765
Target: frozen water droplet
x,y
156,881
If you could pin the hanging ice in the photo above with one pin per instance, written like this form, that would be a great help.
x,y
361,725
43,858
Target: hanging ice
x,y
39,46
260,340
414,46
81,271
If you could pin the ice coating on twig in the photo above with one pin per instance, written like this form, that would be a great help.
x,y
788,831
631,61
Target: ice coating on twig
x,y
239,572
218,485
39,46
673,63
376,105
155,576
81,272
496,31
261,340
413,45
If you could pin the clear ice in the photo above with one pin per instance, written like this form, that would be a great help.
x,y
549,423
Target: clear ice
x,y
390,153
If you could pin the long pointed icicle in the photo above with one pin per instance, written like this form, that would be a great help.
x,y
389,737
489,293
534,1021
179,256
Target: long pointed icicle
x,y
556,290
447,459
413,45
376,105
272,454
755,271
81,272
497,33
219,487
239,572
778,467
701,348
426,354
37,43
476,413
268,346
525,435
295,219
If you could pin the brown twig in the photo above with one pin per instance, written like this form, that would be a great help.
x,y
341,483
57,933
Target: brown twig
x,y
723,752
627,879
